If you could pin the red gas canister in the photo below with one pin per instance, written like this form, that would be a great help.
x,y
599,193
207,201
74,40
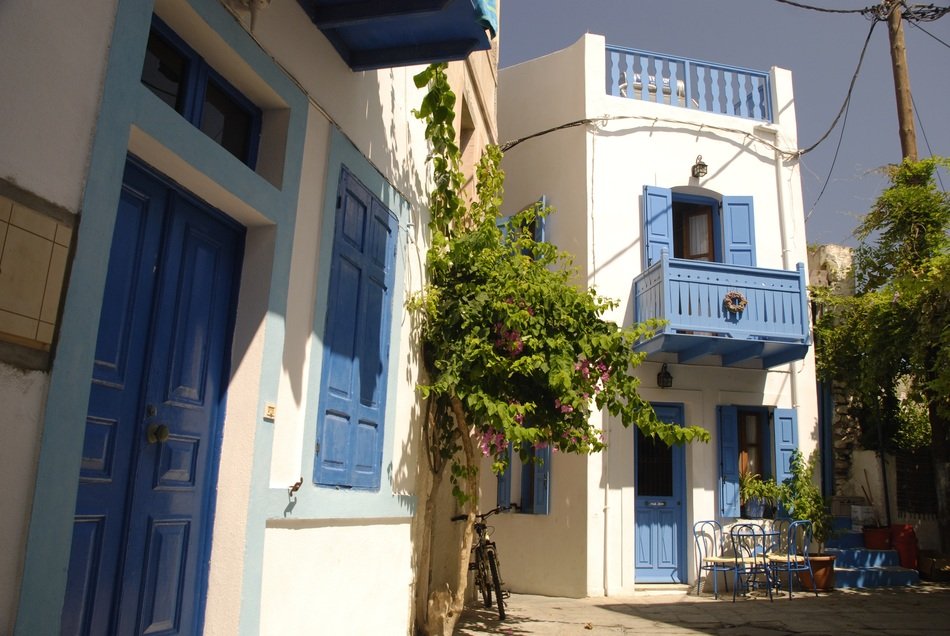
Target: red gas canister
x,y
904,540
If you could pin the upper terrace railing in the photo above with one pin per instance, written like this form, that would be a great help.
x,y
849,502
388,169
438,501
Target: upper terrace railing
x,y
711,88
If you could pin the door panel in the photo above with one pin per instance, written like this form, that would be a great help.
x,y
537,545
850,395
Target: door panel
x,y
161,361
660,497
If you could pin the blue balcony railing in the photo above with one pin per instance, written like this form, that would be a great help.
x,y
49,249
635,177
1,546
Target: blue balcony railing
x,y
691,297
676,81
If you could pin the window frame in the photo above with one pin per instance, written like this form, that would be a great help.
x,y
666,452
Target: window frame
x,y
781,427
198,74
535,486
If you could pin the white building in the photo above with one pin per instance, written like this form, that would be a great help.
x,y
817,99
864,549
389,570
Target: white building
x,y
670,235
207,235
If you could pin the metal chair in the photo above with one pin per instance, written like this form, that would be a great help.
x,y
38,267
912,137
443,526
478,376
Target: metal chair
x,y
750,547
793,554
710,554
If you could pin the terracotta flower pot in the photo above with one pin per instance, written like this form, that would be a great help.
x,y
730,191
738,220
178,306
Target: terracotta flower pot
x,y
877,538
824,567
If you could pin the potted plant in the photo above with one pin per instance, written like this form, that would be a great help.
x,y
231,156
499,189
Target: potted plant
x,y
757,496
802,498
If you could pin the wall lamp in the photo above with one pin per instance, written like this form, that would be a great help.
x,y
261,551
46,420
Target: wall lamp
x,y
700,168
663,379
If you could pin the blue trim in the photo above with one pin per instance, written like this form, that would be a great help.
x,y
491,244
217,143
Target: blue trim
x,y
126,102
194,89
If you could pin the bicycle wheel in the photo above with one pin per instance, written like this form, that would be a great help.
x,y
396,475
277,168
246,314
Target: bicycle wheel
x,y
482,582
496,581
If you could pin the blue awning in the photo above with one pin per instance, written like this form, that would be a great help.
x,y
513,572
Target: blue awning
x,y
371,34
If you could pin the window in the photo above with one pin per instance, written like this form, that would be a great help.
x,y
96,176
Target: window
x,y
355,370
534,476
698,228
757,439
182,79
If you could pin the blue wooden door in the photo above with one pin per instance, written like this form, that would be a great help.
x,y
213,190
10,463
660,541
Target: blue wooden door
x,y
660,493
142,526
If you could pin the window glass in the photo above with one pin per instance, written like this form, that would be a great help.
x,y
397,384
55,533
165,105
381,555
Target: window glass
x,y
750,447
692,231
164,70
654,467
225,121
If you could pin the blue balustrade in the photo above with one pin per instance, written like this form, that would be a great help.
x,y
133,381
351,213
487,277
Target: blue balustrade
x,y
691,297
675,81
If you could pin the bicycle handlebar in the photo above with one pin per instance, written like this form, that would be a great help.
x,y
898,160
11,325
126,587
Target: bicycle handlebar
x,y
485,515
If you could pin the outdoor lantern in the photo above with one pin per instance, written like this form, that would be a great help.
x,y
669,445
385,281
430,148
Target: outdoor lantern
x,y
699,168
663,379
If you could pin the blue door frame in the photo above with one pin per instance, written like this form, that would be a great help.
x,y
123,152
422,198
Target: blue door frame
x,y
141,535
660,505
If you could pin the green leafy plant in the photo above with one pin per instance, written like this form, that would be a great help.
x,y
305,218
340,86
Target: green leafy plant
x,y
802,497
752,486
515,354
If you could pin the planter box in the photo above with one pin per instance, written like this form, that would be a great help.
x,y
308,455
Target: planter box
x,y
934,567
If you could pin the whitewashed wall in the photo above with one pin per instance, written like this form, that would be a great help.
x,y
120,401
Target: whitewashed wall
x,y
594,175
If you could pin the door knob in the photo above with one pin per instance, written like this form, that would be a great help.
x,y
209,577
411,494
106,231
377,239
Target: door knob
x,y
156,433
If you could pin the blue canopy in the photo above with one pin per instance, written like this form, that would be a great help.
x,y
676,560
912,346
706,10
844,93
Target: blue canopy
x,y
371,34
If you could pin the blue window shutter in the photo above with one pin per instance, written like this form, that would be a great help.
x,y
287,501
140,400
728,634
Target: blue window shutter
x,y
738,228
536,482
356,341
657,223
785,438
504,484
728,461
539,229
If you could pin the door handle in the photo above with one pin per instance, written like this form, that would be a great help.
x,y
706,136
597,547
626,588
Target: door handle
x,y
157,433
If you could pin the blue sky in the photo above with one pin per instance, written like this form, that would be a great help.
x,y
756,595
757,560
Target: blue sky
x,y
821,50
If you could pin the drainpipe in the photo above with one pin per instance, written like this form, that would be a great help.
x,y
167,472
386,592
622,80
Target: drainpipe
x,y
783,233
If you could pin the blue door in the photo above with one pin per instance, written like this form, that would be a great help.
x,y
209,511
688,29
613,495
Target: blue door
x,y
660,493
143,515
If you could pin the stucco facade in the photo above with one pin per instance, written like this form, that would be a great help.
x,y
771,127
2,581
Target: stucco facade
x,y
594,175
279,560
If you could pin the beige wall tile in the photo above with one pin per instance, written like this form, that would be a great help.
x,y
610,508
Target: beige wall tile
x,y
6,207
23,272
63,235
17,325
32,221
44,332
54,284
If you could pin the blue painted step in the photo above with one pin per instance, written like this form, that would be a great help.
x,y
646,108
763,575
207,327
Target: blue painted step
x,y
846,538
863,558
859,567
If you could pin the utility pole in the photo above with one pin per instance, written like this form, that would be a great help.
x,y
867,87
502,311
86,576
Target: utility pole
x,y
905,106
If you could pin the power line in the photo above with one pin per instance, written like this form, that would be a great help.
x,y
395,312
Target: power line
x,y
914,24
847,98
834,160
821,9
923,132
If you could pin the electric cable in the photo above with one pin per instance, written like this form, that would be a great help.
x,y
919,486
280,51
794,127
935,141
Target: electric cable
x,y
834,160
821,9
914,24
923,132
847,98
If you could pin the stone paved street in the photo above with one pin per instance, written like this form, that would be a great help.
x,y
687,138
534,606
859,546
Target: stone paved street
x,y
923,610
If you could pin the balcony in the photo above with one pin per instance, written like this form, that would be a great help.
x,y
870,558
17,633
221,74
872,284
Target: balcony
x,y
692,84
690,296
372,34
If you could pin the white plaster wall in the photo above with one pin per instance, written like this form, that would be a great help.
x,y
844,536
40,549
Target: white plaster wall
x,y
52,60
338,579
594,175
22,394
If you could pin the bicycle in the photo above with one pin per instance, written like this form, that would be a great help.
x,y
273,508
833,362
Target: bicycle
x,y
484,560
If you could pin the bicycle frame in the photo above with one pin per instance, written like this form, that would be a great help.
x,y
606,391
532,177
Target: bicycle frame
x,y
484,560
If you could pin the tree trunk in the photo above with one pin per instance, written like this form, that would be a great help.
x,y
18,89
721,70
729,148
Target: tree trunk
x,y
445,605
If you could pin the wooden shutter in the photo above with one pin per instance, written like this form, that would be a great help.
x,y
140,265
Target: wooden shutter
x,y
356,341
728,461
536,482
738,230
785,440
504,484
657,223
